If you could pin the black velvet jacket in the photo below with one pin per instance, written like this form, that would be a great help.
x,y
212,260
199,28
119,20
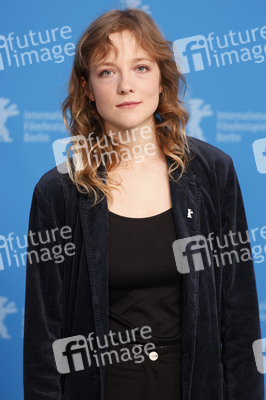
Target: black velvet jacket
x,y
69,298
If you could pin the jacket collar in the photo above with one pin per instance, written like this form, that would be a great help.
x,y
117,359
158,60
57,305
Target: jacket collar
x,y
185,194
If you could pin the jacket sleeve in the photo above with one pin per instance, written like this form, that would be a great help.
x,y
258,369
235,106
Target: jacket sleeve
x,y
240,324
43,303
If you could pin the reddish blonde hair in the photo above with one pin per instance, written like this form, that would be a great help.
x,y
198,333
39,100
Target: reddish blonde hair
x,y
81,116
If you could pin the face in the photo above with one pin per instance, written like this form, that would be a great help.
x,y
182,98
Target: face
x,y
126,79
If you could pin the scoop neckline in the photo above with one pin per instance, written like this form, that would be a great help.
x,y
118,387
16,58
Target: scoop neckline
x,y
139,218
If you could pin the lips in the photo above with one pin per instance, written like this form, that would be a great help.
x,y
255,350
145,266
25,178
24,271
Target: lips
x,y
128,103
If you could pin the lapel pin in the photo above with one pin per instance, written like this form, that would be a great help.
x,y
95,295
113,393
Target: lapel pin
x,y
189,213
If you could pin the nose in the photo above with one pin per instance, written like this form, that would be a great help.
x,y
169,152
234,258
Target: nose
x,y
125,85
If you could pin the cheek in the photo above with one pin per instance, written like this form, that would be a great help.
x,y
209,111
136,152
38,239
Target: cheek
x,y
102,97
152,95
150,88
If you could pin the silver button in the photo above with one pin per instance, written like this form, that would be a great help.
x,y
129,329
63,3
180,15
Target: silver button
x,y
153,356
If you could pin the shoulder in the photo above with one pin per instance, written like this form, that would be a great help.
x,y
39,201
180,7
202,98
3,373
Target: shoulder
x,y
211,165
55,198
54,185
207,157
207,153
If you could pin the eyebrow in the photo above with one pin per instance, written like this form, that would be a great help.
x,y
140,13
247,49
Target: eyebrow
x,y
113,64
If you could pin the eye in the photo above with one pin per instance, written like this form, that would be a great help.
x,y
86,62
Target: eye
x,y
105,70
102,73
143,66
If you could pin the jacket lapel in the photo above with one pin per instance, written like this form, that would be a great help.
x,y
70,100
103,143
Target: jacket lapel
x,y
184,195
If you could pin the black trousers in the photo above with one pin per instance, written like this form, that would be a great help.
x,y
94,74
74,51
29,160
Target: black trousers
x,y
157,377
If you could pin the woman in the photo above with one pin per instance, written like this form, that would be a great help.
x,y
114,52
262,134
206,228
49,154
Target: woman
x,y
138,195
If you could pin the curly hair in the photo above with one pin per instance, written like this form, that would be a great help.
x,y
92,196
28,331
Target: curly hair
x,y
80,114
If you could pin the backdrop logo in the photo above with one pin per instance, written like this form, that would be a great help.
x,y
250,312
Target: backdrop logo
x,y
262,308
195,53
35,47
5,113
259,150
5,310
136,4
230,126
198,111
37,125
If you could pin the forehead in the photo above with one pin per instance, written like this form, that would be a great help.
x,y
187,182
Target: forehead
x,y
126,46
124,38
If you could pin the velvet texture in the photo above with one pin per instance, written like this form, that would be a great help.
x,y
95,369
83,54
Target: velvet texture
x,y
71,298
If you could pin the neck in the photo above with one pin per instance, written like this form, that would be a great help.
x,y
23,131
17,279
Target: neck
x,y
138,145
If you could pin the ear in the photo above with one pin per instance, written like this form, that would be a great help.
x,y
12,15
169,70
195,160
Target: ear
x,y
88,92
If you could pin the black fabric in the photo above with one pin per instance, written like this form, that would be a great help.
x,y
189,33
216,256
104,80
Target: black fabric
x,y
141,378
220,305
145,287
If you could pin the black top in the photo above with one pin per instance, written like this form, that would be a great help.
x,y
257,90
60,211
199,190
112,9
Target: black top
x,y
145,287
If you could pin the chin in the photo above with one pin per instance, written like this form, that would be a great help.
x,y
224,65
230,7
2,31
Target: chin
x,y
127,124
